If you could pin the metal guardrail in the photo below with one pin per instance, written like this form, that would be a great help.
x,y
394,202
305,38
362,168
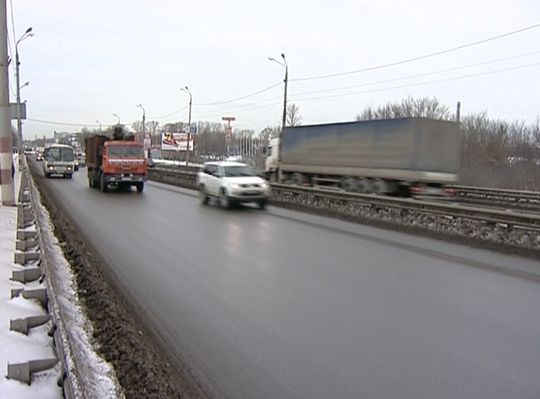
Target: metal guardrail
x,y
71,381
489,215
186,178
520,197
183,177
527,201
484,191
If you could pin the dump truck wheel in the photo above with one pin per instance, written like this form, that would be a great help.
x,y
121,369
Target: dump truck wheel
x,y
103,184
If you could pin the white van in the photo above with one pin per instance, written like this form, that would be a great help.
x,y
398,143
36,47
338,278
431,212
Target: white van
x,y
58,159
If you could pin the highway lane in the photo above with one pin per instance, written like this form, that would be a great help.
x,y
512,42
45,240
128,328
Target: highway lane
x,y
275,303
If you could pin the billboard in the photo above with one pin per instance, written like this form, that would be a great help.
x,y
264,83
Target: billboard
x,y
176,142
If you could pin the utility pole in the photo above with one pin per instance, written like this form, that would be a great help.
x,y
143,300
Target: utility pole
x,y
142,139
186,89
27,33
228,130
458,112
6,145
284,118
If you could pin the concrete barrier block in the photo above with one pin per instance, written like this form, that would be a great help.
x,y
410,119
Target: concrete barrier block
x,y
37,293
21,224
23,207
24,245
26,275
23,371
26,234
21,258
25,324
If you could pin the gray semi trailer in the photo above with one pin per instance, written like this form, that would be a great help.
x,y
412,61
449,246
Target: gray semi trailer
x,y
409,156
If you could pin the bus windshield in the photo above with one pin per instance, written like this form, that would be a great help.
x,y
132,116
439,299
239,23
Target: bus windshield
x,y
59,154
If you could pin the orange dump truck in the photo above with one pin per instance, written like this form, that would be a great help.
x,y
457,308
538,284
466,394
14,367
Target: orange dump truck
x,y
116,162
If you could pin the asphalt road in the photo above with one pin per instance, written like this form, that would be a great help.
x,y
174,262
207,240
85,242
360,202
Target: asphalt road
x,y
279,304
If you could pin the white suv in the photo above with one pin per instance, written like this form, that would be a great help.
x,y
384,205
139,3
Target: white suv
x,y
231,182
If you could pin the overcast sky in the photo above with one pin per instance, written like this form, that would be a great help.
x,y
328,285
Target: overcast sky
x,y
90,59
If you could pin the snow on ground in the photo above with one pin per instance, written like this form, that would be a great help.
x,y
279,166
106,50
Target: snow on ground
x,y
14,346
98,379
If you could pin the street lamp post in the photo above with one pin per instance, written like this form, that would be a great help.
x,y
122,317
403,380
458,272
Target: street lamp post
x,y
99,123
26,34
143,122
284,117
117,117
186,89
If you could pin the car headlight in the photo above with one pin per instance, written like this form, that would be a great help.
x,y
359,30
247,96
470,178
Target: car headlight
x,y
68,168
51,167
234,186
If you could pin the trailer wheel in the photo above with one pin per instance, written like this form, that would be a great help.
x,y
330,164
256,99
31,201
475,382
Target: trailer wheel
x,y
299,179
380,187
349,184
363,185
103,184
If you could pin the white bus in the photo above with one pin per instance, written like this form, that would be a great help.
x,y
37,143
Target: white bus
x,y
58,159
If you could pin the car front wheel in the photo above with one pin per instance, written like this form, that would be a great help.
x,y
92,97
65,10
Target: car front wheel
x,y
224,200
203,195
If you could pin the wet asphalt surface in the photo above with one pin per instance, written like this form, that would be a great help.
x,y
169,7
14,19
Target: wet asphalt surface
x,y
268,304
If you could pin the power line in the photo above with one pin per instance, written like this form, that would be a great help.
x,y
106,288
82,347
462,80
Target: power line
x,y
239,111
171,114
14,43
242,97
324,97
62,123
417,75
408,60
11,58
423,83
13,21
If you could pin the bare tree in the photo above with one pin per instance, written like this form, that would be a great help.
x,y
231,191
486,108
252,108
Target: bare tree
x,y
497,153
293,115
152,126
269,133
137,126
409,107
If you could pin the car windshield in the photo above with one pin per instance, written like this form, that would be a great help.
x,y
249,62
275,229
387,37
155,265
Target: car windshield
x,y
125,151
239,170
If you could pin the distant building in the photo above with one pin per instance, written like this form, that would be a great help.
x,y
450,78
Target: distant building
x,y
72,139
